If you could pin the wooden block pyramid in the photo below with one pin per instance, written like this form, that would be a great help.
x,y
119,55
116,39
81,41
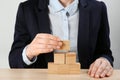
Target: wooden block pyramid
x,y
64,62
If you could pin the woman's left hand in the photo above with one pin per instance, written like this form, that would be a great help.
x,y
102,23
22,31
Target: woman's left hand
x,y
100,68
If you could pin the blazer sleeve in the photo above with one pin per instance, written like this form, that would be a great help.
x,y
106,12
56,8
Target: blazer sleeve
x,y
21,39
103,41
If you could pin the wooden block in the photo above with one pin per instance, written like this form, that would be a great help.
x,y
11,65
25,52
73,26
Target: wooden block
x,y
63,68
70,58
59,58
66,45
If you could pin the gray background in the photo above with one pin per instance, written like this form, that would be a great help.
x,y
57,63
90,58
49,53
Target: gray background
x,y
8,9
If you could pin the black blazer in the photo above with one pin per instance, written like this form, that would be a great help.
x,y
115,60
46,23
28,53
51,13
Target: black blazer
x,y
93,32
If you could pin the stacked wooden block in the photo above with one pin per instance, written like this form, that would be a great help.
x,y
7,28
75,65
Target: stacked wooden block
x,y
64,62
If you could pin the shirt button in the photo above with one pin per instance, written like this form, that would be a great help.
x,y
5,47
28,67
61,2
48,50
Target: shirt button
x,y
67,14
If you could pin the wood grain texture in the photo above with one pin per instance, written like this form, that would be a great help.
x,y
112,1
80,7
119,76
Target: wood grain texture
x,y
63,68
59,58
64,63
42,74
70,58
65,46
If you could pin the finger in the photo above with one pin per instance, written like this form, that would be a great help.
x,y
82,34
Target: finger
x,y
45,50
95,67
105,71
110,72
101,69
41,51
91,66
49,42
44,46
47,36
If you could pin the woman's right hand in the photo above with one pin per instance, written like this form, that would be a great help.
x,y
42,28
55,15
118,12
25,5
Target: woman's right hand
x,y
42,43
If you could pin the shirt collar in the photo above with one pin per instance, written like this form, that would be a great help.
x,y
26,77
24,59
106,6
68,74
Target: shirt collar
x,y
57,6
72,8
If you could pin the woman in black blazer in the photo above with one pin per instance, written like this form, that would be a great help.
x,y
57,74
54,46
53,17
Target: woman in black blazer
x,y
32,30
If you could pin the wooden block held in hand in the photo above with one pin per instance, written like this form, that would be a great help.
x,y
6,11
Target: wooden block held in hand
x,y
65,46
71,58
59,58
63,68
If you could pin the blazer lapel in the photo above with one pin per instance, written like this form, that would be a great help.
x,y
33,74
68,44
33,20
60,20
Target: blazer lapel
x,y
43,18
44,23
83,33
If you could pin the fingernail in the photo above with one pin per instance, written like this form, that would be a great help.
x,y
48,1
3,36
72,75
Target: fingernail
x,y
102,76
51,49
92,75
58,47
97,76
89,72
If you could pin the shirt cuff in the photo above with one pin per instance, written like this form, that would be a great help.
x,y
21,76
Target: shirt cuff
x,y
25,58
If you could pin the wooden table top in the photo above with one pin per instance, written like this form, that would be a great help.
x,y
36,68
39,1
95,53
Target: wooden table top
x,y
41,74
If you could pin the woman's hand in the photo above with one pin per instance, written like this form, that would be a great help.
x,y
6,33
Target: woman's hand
x,y
100,68
42,43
